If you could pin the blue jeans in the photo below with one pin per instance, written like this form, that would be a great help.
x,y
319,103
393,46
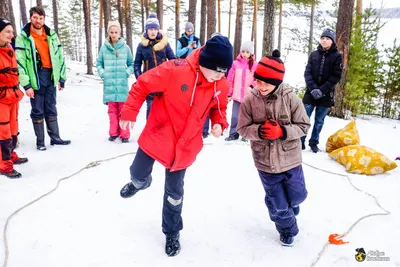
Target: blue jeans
x,y
283,192
235,117
141,169
206,126
44,103
320,114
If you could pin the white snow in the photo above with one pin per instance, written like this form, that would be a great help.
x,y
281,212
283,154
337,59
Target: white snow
x,y
86,223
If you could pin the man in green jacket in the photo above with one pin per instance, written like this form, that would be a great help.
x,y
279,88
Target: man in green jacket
x,y
41,68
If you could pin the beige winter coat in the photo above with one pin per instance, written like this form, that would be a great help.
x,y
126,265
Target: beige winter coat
x,y
274,156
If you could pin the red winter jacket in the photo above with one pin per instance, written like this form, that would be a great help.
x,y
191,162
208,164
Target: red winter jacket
x,y
9,82
184,98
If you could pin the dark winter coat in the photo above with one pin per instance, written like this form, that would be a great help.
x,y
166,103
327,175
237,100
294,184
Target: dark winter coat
x,y
151,53
323,71
172,134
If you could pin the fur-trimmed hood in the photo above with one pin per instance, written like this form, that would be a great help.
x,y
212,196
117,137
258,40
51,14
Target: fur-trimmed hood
x,y
160,42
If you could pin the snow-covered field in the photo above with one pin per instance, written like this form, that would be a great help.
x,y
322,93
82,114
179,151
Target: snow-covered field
x,y
86,223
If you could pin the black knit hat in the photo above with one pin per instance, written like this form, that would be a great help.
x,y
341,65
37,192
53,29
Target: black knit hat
x,y
217,54
4,23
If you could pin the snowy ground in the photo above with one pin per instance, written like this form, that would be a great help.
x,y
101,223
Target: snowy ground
x,y
85,223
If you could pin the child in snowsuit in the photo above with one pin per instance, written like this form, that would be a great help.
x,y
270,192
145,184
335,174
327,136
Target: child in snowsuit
x,y
115,65
10,95
241,81
273,118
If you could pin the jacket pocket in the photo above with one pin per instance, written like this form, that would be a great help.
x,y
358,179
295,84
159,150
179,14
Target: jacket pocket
x,y
290,152
260,151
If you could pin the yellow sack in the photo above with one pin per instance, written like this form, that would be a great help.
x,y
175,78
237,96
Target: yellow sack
x,y
344,137
363,160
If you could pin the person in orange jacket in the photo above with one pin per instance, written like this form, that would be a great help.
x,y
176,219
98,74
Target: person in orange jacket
x,y
186,90
10,95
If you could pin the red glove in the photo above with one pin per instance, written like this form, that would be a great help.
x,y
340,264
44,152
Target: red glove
x,y
270,130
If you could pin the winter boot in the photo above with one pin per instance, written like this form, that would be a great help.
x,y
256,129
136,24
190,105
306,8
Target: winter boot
x,y
17,160
125,140
172,245
303,146
314,148
38,126
232,137
129,190
112,138
54,133
205,135
12,174
286,241
244,139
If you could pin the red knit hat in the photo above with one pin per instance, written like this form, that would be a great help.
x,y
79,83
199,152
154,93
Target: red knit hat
x,y
270,69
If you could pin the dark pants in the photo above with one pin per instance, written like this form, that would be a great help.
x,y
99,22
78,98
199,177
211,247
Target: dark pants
x,y
149,102
235,117
141,169
206,127
284,191
44,103
320,114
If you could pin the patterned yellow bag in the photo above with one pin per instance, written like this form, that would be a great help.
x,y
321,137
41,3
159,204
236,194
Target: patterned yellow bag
x,y
363,160
344,137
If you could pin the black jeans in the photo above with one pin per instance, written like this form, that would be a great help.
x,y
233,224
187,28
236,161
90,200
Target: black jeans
x,y
141,169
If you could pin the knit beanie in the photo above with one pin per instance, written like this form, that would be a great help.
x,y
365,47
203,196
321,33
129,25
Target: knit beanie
x,y
115,24
189,26
329,33
248,46
270,69
152,22
217,54
4,23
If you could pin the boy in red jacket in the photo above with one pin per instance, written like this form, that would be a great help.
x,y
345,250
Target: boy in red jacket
x,y
187,90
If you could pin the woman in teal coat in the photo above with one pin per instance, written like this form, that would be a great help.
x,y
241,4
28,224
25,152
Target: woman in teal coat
x,y
115,65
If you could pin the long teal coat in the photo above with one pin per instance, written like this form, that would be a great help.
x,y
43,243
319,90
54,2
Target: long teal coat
x,y
114,65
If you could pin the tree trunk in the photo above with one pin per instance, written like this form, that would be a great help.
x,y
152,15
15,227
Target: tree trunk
x,y
269,17
359,7
5,9
311,36
142,12
128,23
11,15
107,14
39,2
238,28
254,37
100,24
343,33
230,15
219,16
146,5
160,12
22,10
89,57
55,16
280,25
211,17
203,21
192,12
177,19
120,16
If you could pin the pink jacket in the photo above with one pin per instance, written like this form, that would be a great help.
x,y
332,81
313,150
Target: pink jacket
x,y
240,78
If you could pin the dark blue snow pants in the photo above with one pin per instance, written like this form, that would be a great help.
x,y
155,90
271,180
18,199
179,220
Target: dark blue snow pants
x,y
141,169
284,191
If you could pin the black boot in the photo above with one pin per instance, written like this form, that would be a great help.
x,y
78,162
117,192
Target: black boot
x,y
232,137
172,245
38,126
54,133
12,174
129,190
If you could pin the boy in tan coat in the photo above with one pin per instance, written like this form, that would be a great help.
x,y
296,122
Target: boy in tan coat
x,y
273,118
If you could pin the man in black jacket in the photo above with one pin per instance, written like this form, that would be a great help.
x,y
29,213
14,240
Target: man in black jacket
x,y
323,72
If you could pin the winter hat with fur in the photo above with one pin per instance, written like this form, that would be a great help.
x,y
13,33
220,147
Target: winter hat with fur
x,y
217,54
152,22
248,46
4,23
115,24
271,69
329,33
